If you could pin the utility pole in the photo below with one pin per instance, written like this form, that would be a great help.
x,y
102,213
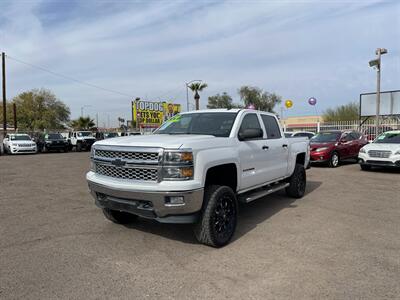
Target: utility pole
x,y
187,97
15,117
97,120
376,63
3,59
378,91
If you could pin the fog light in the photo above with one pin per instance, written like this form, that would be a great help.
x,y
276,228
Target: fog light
x,y
174,201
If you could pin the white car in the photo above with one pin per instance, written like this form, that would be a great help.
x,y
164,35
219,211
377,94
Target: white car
x,y
19,143
291,134
384,151
195,168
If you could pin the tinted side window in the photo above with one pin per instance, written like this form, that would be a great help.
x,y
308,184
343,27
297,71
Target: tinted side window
x,y
250,121
271,126
356,135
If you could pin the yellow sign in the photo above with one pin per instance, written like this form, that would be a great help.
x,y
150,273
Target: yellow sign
x,y
170,110
153,114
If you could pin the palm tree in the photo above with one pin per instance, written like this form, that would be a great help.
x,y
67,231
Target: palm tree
x,y
197,87
83,123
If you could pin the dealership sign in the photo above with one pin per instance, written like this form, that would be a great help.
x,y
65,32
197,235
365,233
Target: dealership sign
x,y
153,114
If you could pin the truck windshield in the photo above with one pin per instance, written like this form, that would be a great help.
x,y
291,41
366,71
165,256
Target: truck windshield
x,y
326,137
388,138
217,124
54,136
85,133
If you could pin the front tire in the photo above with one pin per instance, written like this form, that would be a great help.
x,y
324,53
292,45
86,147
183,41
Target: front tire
x,y
217,223
118,217
78,147
297,182
334,160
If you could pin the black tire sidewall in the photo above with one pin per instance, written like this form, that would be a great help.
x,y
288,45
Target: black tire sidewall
x,y
212,195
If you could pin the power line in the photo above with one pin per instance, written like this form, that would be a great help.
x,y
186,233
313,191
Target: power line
x,y
82,82
68,77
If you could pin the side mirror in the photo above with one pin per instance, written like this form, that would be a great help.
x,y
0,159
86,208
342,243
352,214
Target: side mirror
x,y
249,134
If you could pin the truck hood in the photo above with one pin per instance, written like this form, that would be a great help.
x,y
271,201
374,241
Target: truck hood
x,y
160,140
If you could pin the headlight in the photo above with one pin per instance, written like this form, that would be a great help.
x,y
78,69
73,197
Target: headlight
x,y
92,152
321,149
362,150
177,173
178,157
178,165
92,166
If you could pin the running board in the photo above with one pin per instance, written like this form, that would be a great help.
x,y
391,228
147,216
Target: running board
x,y
250,196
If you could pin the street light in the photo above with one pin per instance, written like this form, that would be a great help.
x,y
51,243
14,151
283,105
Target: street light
x,y
187,91
82,107
376,63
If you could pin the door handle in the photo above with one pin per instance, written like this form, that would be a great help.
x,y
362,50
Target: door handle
x,y
284,146
265,147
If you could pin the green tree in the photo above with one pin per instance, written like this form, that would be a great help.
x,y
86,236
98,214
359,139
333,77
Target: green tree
x,y
38,109
83,123
346,112
221,101
197,87
261,99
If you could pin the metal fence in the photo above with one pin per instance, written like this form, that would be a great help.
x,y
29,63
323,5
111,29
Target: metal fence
x,y
368,127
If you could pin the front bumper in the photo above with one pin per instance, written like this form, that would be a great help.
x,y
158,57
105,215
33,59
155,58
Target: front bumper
x,y
149,204
319,157
57,146
17,150
392,161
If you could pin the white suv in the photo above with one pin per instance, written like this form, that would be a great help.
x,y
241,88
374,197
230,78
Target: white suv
x,y
384,151
19,143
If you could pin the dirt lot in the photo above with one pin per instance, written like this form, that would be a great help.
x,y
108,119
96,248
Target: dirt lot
x,y
341,241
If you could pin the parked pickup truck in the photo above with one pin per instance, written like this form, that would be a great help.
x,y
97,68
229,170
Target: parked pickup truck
x,y
196,168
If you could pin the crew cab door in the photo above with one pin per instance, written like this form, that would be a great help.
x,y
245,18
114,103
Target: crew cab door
x,y
252,153
277,152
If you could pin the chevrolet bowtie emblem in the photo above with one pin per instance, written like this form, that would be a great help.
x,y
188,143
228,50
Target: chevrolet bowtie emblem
x,y
118,163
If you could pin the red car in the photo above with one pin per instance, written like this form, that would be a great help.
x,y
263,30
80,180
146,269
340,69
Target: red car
x,y
332,146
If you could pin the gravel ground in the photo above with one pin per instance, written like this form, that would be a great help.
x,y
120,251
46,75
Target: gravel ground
x,y
341,241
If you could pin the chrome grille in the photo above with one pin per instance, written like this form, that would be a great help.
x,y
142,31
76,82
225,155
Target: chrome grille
x,y
141,156
145,174
379,153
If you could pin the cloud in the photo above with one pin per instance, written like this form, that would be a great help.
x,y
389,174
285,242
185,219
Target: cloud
x,y
149,49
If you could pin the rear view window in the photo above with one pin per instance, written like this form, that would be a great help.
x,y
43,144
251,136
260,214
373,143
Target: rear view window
x,y
271,126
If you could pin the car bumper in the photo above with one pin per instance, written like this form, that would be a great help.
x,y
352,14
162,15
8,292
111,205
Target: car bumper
x,y
56,146
20,150
392,161
149,204
319,157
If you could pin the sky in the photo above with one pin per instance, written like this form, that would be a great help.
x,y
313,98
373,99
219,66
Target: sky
x,y
122,49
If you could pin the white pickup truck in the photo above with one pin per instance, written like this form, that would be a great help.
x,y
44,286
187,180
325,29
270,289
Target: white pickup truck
x,y
196,168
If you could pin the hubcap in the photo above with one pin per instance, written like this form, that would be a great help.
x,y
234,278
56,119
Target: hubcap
x,y
335,160
224,217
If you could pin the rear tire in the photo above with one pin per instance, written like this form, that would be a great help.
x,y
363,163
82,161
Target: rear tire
x,y
118,217
365,167
334,160
217,223
297,182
